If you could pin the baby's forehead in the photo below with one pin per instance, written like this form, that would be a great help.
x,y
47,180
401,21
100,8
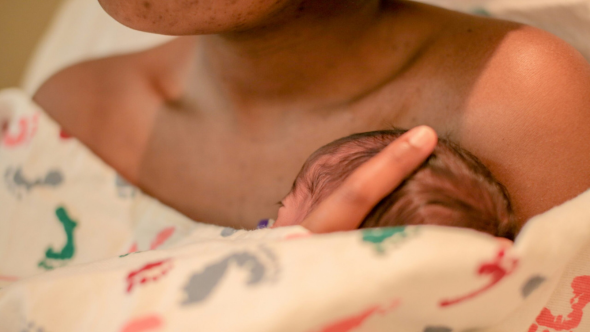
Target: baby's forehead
x,y
347,148
332,162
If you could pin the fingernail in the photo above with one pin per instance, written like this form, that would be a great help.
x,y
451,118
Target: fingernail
x,y
420,136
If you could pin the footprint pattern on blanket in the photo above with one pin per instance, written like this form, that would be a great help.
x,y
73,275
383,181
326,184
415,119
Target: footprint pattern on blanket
x,y
390,237
531,285
158,241
547,321
354,321
19,184
500,267
144,324
25,131
124,188
8,278
60,258
64,135
150,272
200,285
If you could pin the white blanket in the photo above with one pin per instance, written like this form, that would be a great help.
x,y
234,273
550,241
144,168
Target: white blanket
x,y
75,256
62,209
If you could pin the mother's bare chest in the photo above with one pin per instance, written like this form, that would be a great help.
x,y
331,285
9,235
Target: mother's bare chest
x,y
232,171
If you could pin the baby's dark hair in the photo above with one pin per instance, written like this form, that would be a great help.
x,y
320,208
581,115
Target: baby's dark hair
x,y
452,187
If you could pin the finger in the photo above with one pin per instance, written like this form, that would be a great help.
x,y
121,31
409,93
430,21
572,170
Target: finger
x,y
347,206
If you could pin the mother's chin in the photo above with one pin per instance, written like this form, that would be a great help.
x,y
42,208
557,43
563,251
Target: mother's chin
x,y
191,17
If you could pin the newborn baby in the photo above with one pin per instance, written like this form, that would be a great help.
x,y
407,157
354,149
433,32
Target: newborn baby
x,y
452,188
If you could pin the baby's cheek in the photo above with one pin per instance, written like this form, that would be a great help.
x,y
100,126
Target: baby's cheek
x,y
282,219
288,216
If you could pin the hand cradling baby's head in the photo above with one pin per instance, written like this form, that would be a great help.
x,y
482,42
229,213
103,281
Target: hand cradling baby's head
x,y
452,188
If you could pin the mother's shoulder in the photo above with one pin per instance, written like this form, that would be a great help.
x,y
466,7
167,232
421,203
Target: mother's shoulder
x,y
110,103
86,84
531,60
527,114
531,77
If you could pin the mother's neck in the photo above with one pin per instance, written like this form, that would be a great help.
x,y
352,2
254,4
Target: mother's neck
x,y
327,54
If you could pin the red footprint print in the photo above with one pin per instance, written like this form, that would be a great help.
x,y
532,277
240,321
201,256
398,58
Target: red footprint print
x,y
142,324
8,278
27,127
64,135
132,249
351,322
148,273
581,298
160,238
497,269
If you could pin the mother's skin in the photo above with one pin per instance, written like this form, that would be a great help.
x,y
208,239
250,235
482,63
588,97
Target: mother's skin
x,y
217,126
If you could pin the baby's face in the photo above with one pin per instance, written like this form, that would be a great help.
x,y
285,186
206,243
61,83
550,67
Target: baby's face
x,y
300,201
294,208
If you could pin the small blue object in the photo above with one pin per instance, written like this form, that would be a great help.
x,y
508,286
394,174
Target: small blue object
x,y
263,224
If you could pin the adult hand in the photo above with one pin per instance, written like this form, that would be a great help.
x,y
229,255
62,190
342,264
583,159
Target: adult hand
x,y
346,208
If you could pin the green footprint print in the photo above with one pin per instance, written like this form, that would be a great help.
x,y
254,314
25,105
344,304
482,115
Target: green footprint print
x,y
382,238
59,258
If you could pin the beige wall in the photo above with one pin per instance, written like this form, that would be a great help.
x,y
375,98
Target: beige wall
x,y
22,23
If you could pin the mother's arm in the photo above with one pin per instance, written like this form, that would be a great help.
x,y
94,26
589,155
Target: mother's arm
x,y
528,119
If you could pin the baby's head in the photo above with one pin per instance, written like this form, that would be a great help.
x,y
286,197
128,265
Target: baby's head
x,y
450,188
